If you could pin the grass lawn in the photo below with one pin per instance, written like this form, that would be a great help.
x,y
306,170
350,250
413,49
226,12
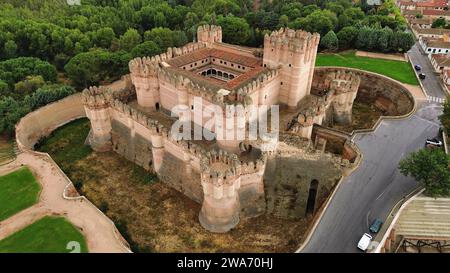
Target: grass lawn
x,y
401,71
18,190
47,235
66,144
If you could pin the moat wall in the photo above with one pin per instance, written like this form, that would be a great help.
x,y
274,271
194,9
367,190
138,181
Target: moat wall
x,y
391,96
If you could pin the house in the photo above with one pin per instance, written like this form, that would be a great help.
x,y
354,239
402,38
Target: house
x,y
434,46
434,14
407,5
409,14
445,75
440,62
434,33
420,23
431,5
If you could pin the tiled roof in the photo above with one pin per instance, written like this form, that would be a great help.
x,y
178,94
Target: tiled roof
x,y
434,12
220,54
441,60
432,31
439,4
438,44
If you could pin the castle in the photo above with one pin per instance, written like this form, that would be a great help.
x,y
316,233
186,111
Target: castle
x,y
225,175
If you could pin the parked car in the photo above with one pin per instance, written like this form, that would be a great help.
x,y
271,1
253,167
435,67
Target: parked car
x,y
376,225
422,76
364,242
417,67
435,142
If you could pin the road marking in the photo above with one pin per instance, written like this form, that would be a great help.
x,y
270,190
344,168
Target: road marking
x,y
435,99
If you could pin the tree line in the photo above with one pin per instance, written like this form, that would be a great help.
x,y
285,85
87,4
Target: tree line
x,y
43,42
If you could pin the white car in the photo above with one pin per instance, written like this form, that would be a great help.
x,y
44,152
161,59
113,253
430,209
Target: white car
x,y
364,242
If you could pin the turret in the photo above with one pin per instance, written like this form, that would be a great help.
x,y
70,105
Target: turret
x,y
96,104
209,34
292,51
220,178
345,87
144,76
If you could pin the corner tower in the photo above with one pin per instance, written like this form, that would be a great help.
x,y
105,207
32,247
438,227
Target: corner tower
x,y
209,34
96,104
144,76
294,53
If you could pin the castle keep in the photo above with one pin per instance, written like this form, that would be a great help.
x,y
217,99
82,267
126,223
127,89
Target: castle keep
x,y
225,175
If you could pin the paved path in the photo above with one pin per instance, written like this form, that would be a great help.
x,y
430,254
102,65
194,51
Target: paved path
x,y
98,230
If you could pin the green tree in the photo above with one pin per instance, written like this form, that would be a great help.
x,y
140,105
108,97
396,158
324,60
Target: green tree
x,y
10,49
431,168
29,85
439,23
330,41
235,30
445,117
104,37
148,48
347,37
129,40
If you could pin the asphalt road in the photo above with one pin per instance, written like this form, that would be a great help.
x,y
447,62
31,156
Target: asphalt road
x,y
376,186
431,83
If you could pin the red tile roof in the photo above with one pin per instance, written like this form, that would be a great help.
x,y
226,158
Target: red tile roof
x,y
253,65
216,53
434,12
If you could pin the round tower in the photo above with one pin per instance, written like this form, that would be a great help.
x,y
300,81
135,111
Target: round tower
x,y
96,104
144,76
345,87
220,178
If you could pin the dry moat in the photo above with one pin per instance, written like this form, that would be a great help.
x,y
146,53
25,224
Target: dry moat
x,y
152,216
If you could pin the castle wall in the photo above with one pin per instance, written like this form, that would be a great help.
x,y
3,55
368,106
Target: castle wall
x,y
42,122
168,95
249,52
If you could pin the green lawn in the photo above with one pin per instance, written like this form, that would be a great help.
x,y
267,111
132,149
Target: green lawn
x,y
66,144
18,190
47,235
401,71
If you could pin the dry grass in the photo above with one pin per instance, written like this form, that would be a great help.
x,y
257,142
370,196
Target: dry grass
x,y
156,218
364,116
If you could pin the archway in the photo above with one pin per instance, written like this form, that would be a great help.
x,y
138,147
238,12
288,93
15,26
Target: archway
x,y
311,203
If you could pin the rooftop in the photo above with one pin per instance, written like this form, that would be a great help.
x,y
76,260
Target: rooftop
x,y
425,217
250,70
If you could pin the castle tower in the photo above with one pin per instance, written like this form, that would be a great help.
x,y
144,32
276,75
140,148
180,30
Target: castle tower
x,y
144,76
293,51
220,178
96,104
209,34
345,87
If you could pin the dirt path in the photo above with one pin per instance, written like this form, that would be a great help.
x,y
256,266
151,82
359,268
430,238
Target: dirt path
x,y
99,231
393,57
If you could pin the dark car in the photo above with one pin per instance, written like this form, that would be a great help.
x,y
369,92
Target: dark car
x,y
422,76
417,67
376,225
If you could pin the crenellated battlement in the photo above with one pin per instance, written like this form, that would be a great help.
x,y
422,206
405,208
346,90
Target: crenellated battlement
x,y
209,34
292,40
96,97
343,81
